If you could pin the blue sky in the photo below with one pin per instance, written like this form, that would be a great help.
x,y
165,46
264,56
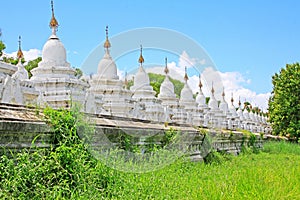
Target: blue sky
x,y
254,38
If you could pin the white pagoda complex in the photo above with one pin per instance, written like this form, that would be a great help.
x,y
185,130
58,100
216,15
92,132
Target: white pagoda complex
x,y
54,84
106,85
54,78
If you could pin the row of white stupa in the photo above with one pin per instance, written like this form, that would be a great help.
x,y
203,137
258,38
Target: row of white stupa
x,y
54,83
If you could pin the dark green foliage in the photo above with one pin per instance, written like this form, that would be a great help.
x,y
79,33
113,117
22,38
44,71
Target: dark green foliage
x,y
2,47
129,143
32,64
11,60
215,157
157,79
169,137
207,100
78,72
284,104
64,171
129,84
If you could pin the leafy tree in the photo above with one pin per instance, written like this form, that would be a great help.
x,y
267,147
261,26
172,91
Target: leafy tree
x,y
284,103
207,99
78,72
157,79
32,64
129,84
6,59
12,60
2,47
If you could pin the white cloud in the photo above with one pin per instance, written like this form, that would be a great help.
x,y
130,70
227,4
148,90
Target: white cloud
x,y
234,85
29,55
186,61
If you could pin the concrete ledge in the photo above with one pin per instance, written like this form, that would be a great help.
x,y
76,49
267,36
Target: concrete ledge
x,y
21,127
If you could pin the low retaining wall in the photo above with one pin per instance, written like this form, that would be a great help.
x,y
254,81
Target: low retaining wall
x,y
21,127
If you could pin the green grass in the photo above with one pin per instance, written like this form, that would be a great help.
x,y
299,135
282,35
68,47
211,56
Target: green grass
x,y
254,176
274,174
69,171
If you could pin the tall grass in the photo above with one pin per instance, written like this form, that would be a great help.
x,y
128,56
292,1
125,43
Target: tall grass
x,y
69,171
282,147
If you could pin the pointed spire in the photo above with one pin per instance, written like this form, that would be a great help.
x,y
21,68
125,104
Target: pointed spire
x,y
53,22
186,78
166,67
141,59
232,100
20,53
200,84
223,93
240,102
106,43
212,88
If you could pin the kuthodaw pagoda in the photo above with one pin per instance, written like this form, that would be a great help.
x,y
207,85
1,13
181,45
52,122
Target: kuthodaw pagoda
x,y
53,83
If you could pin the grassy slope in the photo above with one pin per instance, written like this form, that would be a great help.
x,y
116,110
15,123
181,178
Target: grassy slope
x,y
272,174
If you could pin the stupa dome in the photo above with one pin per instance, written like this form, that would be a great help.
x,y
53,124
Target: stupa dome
x,y
186,93
107,68
167,88
54,51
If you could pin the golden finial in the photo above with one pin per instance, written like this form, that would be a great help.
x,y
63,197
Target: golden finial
x,y
106,43
212,88
141,59
200,83
166,68
20,53
186,78
223,93
53,22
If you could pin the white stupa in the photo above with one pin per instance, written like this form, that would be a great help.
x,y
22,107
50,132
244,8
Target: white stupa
x,y
186,101
232,119
201,106
214,115
247,121
144,95
223,104
201,99
107,86
17,88
226,117
54,78
167,95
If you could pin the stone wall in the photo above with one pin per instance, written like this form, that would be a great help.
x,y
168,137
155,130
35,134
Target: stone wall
x,y
23,127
